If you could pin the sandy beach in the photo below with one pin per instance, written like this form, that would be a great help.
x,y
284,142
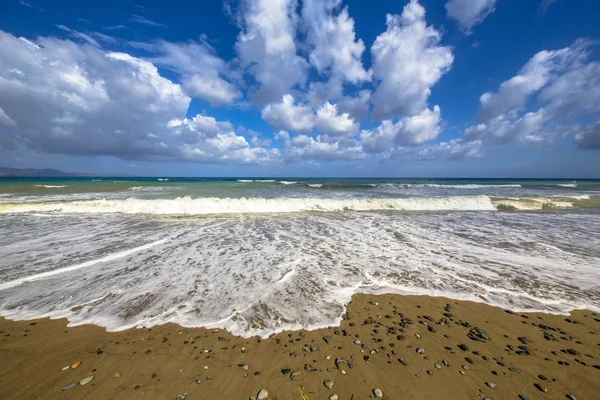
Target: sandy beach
x,y
407,347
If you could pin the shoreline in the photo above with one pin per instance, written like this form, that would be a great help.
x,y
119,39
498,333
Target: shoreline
x,y
377,344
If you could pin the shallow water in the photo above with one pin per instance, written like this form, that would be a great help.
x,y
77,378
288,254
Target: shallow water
x,y
258,257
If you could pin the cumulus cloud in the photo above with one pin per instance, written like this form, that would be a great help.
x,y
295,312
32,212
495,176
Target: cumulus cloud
x,y
563,83
329,121
541,69
333,41
207,140
286,115
589,138
574,92
407,61
303,147
357,106
267,50
508,128
469,13
454,149
203,74
414,130
58,96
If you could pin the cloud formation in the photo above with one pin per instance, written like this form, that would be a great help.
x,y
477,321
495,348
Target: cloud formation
x,y
407,61
469,13
57,96
562,84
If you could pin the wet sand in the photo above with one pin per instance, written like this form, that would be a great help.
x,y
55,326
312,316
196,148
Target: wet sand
x,y
560,354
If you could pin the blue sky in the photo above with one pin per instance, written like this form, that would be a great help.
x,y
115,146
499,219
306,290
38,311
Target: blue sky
x,y
457,88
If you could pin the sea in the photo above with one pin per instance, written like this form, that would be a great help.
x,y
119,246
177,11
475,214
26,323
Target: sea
x,y
256,256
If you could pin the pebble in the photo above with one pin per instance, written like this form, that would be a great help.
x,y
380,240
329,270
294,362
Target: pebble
x,y
571,397
429,372
245,367
262,394
333,397
420,350
446,364
491,385
541,388
356,341
328,383
66,368
378,393
76,364
286,371
461,372
521,397
198,380
87,380
69,386
294,374
438,366
542,377
182,396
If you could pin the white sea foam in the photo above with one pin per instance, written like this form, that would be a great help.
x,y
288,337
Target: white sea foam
x,y
87,264
256,276
163,179
287,182
213,205
266,180
51,186
245,180
315,185
449,186
568,185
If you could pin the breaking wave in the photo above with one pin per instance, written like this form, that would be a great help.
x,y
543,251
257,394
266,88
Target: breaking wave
x,y
213,205
51,186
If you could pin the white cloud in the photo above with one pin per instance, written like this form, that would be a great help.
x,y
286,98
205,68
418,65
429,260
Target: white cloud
x,y
6,120
589,138
79,35
330,121
469,13
407,61
414,130
57,96
541,69
475,132
455,149
202,72
288,116
303,147
575,92
357,106
320,92
333,41
567,87
266,48
508,128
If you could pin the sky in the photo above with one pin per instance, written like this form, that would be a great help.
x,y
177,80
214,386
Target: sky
x,y
402,88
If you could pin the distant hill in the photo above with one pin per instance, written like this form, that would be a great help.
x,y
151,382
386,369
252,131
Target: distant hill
x,y
42,173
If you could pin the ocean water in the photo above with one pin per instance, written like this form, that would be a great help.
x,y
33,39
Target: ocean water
x,y
257,256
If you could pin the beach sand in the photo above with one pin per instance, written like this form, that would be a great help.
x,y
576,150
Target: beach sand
x,y
562,357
